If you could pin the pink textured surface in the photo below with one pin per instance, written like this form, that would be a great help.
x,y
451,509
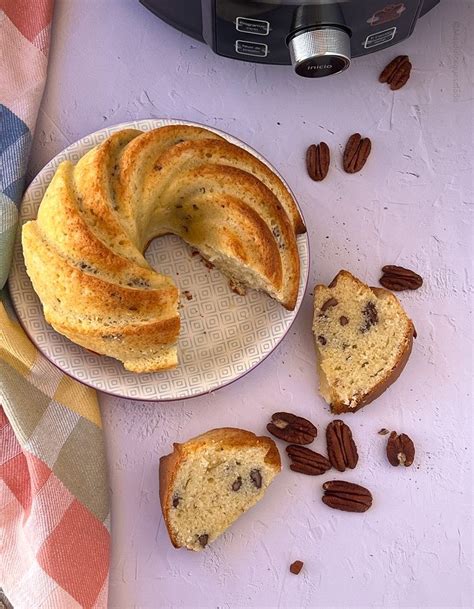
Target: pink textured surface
x,y
113,62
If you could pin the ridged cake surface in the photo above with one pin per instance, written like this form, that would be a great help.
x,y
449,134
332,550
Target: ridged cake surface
x,y
84,252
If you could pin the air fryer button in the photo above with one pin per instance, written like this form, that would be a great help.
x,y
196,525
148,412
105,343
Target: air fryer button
x,y
380,38
247,47
252,26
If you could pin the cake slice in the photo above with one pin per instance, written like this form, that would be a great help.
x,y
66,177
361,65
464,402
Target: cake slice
x,y
363,340
209,481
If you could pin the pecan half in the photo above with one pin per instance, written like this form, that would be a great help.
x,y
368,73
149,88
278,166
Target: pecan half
x,y
370,316
397,72
293,429
400,449
256,477
317,161
397,278
346,496
237,484
306,461
342,451
356,152
330,302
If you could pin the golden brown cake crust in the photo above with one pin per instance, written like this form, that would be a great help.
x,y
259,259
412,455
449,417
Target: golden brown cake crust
x,y
97,217
226,437
338,407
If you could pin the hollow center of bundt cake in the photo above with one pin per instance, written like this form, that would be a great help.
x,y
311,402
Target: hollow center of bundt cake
x,y
213,488
359,337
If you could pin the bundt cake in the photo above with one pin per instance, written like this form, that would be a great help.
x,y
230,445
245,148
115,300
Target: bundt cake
x,y
209,481
363,340
84,252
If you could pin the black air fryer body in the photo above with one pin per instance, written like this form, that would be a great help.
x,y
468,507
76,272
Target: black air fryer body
x,y
318,37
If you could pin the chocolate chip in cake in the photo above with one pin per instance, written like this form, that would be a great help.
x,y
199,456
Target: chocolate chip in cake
x,y
343,320
331,302
237,484
322,340
176,500
371,317
256,477
203,539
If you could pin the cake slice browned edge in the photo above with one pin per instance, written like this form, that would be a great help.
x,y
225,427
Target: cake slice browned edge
x,y
229,437
392,376
167,473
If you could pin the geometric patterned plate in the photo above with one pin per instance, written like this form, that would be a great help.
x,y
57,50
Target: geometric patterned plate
x,y
223,335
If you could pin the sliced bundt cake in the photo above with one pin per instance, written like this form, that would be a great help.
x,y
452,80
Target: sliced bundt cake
x,y
209,481
363,340
84,253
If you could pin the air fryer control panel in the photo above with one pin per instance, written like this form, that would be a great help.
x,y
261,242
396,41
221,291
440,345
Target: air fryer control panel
x,y
259,31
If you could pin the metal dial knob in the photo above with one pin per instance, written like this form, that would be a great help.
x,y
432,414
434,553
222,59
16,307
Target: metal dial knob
x,y
320,52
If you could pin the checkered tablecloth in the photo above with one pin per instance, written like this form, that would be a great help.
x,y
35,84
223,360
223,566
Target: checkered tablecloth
x,y
54,512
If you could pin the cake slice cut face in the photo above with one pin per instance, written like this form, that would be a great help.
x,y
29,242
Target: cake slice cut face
x,y
209,481
363,339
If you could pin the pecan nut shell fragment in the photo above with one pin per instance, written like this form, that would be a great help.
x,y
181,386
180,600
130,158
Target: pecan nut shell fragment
x,y
400,449
317,161
296,567
295,430
356,153
306,461
398,278
342,450
346,496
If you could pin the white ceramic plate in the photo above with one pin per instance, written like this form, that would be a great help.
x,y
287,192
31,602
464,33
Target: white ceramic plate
x,y
223,335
